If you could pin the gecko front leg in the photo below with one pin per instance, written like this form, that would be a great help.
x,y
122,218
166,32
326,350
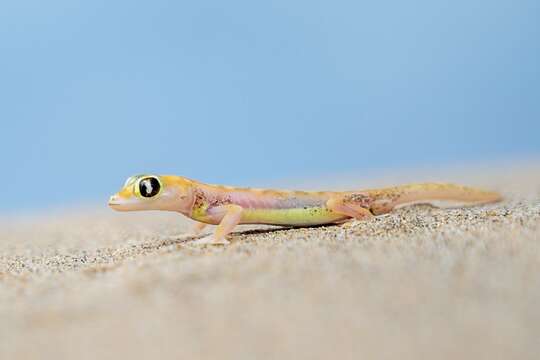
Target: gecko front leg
x,y
230,217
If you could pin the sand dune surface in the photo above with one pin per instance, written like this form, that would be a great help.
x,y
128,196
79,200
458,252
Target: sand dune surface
x,y
418,283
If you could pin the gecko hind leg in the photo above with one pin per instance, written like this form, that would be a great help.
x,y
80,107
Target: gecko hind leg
x,y
349,208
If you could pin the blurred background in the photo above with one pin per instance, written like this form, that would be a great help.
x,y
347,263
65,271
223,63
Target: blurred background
x,y
247,93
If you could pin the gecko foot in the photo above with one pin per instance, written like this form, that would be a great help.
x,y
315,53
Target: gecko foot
x,y
210,240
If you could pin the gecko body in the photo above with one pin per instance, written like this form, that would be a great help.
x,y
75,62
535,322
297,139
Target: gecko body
x,y
271,207
229,206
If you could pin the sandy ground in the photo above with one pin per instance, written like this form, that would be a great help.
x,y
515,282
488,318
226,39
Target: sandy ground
x,y
419,283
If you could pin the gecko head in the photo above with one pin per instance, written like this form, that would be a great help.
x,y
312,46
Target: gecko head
x,y
153,192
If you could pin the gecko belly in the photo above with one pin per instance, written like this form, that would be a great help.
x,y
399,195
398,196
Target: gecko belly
x,y
304,216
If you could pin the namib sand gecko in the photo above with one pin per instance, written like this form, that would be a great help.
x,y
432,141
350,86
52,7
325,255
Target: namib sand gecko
x,y
229,206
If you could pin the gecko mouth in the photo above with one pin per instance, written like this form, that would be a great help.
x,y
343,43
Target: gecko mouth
x,y
115,202
118,206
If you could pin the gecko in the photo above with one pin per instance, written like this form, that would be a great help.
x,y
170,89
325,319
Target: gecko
x,y
227,206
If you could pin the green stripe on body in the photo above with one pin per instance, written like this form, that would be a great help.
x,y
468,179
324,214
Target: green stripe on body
x,y
293,217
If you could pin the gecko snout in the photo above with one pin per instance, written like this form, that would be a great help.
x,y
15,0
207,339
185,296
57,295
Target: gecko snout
x,y
119,204
113,200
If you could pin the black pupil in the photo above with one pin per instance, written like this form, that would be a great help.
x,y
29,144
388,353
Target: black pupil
x,y
149,187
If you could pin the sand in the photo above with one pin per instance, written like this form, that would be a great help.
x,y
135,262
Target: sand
x,y
418,283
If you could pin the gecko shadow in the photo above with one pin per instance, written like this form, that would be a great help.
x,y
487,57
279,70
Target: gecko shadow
x,y
279,229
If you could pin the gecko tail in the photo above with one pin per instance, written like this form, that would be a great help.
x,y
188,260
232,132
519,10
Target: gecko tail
x,y
435,194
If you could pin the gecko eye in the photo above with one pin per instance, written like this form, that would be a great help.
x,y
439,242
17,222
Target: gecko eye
x,y
149,187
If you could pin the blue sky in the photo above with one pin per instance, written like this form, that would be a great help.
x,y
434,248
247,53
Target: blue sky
x,y
247,92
